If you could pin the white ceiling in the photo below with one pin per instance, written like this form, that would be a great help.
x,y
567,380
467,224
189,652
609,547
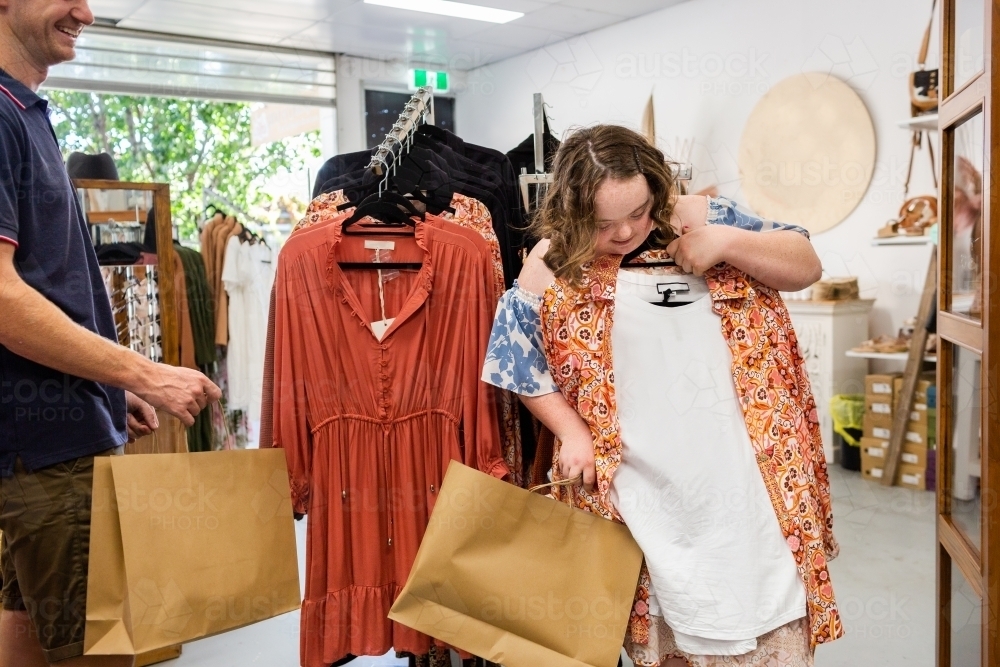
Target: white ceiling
x,y
352,27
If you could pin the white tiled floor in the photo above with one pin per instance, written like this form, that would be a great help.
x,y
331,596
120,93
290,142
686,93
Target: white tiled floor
x,y
884,580
884,577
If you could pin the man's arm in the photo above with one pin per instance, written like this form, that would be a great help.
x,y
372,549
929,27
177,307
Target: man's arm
x,y
34,328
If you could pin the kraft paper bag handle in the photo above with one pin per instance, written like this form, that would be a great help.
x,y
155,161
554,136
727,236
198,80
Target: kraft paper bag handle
x,y
563,482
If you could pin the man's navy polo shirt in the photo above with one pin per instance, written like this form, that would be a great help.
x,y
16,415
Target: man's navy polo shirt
x,y
47,417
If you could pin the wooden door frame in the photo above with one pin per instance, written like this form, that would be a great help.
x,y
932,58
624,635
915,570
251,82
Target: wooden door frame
x,y
956,555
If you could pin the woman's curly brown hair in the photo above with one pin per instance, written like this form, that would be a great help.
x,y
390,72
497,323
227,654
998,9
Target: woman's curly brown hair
x,y
585,159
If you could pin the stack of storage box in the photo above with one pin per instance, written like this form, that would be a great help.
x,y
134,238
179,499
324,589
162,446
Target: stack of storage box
x,y
880,399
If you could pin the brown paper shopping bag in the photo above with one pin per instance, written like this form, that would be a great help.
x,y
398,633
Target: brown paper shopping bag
x,y
184,546
520,579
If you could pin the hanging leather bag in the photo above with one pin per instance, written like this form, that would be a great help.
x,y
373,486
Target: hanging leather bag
x,y
917,213
924,82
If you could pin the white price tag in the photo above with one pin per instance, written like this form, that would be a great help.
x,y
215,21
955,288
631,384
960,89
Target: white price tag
x,y
380,327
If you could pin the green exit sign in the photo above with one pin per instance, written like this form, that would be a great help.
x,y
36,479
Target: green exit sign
x,y
436,80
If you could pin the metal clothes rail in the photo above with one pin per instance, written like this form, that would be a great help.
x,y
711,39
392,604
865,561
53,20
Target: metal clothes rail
x,y
419,110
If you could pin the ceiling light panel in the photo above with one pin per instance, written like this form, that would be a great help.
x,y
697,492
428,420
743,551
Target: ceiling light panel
x,y
447,8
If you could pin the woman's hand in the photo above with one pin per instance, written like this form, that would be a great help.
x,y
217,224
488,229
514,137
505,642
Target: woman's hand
x,y
703,247
698,246
576,457
576,454
782,259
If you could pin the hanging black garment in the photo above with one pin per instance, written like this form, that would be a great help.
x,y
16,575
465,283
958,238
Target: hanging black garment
x,y
490,170
112,254
441,168
523,157
338,165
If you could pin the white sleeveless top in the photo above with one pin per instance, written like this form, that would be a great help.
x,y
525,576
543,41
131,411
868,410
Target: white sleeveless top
x,y
689,487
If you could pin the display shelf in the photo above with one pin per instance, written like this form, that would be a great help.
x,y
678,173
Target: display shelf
x,y
887,356
927,239
926,122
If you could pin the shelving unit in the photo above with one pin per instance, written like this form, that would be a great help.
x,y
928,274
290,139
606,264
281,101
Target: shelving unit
x,y
912,359
903,240
887,356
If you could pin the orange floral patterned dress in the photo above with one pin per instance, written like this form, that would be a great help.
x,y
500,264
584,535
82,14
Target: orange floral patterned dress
x,y
773,389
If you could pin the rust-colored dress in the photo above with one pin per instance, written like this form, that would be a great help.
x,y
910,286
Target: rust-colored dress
x,y
369,426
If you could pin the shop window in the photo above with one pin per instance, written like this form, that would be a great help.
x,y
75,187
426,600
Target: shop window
x,y
119,62
968,40
967,217
966,622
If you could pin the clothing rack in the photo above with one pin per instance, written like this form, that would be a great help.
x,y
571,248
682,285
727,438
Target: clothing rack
x,y
539,107
539,179
419,110
210,196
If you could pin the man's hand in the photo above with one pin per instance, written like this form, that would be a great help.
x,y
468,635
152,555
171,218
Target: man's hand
x,y
141,417
70,348
700,249
180,391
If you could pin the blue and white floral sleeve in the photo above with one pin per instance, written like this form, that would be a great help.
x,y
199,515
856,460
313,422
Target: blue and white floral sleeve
x,y
724,211
515,358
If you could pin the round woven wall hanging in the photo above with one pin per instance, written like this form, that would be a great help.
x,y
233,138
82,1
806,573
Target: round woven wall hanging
x,y
807,152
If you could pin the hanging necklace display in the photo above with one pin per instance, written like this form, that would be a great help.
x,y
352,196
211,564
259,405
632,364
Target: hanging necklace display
x,y
134,295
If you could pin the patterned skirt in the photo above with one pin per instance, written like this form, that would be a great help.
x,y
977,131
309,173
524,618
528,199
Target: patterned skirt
x,y
786,646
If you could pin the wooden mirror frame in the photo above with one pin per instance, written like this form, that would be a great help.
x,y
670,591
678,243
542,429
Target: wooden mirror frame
x,y
169,316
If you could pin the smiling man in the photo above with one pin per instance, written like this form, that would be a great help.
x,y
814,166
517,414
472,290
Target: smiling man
x,y
68,391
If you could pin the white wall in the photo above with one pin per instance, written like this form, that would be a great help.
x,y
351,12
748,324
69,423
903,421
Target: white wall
x,y
354,76
707,63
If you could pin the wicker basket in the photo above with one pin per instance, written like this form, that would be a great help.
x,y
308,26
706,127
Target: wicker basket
x,y
835,289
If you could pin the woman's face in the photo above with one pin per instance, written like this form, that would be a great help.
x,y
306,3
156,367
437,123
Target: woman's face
x,y
622,211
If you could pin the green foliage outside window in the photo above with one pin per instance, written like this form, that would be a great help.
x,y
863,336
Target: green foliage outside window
x,y
190,144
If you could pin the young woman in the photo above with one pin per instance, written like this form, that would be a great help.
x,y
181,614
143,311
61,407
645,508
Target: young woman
x,y
694,423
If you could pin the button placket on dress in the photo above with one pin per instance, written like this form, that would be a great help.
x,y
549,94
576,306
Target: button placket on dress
x,y
383,411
